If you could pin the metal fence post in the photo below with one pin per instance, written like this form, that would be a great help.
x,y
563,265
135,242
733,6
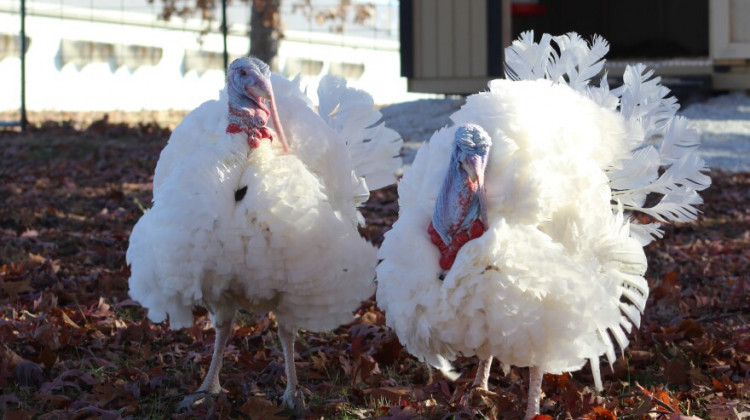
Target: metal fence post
x,y
24,121
224,32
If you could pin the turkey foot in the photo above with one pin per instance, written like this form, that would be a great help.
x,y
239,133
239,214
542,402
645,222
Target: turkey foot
x,y
294,400
192,400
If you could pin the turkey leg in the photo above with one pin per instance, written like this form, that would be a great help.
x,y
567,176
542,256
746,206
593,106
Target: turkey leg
x,y
292,397
483,374
223,328
535,392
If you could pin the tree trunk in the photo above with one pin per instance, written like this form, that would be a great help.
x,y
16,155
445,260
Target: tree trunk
x,y
265,31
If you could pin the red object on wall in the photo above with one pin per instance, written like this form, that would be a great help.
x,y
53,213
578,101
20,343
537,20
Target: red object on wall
x,y
528,10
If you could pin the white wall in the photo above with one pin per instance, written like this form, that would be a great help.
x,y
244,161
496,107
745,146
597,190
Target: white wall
x,y
98,87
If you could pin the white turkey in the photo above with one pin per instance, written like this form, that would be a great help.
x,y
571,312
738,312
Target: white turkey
x,y
243,219
515,238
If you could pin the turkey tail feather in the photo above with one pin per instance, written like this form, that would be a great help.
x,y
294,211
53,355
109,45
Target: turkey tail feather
x,y
373,147
662,164
575,64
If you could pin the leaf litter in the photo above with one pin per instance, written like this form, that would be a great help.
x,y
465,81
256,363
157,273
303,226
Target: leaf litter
x,y
73,345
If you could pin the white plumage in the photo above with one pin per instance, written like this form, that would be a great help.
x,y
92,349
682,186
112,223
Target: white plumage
x,y
238,227
557,278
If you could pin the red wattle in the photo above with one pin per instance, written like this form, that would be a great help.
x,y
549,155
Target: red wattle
x,y
446,262
459,239
254,134
264,133
435,237
477,229
233,128
448,252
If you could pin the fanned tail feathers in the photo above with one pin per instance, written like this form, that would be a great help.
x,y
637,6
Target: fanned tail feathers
x,y
575,64
662,165
659,177
526,59
625,262
663,161
373,147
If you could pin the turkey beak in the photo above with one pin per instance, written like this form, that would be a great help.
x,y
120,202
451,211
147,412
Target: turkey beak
x,y
264,90
474,167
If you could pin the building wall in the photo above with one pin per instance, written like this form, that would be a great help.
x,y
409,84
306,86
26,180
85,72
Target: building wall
x,y
97,61
634,28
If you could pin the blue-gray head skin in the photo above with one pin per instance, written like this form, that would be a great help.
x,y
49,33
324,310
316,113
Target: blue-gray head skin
x,y
460,210
251,101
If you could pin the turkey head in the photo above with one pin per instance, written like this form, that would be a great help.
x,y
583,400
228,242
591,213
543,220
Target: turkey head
x,y
460,210
251,101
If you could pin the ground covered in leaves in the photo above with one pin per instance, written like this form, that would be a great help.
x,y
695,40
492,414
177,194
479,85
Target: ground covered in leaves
x,y
73,345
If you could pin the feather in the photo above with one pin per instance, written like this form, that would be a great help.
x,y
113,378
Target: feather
x,y
680,138
373,147
620,338
527,60
596,373
602,95
633,313
645,234
642,169
663,142
578,62
679,185
447,369
609,348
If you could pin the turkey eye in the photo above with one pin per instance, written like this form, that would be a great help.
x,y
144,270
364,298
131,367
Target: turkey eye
x,y
243,73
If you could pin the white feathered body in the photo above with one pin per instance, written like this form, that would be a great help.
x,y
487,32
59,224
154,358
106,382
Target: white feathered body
x,y
558,273
523,290
290,245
